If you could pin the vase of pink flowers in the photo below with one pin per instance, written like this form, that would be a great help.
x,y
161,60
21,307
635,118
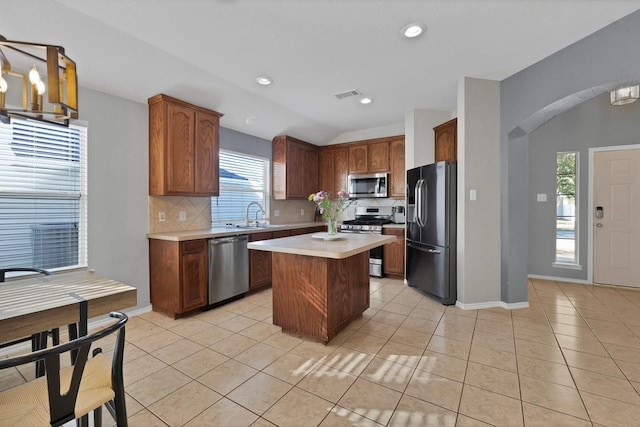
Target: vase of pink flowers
x,y
331,207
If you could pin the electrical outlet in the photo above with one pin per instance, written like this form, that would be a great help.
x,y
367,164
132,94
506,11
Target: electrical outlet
x,y
301,212
276,212
183,216
162,217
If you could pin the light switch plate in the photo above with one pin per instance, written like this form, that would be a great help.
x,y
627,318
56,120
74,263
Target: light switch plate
x,y
473,194
183,216
542,197
276,212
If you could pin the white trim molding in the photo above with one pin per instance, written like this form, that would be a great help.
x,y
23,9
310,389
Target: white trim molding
x,y
492,304
560,279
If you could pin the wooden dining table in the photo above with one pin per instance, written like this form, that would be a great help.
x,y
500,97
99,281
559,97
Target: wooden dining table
x,y
41,303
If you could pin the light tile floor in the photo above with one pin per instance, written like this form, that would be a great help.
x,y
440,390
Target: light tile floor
x,y
571,359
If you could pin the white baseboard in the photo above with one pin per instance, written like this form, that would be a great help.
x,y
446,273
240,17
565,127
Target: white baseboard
x,y
492,304
559,279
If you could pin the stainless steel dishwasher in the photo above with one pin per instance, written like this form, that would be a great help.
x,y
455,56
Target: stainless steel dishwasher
x,y
228,267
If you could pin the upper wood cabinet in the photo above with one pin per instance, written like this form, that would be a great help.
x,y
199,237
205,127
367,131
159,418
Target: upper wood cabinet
x,y
334,168
397,175
369,157
294,168
183,148
446,141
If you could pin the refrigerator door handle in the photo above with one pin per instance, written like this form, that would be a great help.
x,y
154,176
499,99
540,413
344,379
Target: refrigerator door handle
x,y
420,202
429,250
416,198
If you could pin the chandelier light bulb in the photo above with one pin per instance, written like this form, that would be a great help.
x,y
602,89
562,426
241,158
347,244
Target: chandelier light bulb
x,y
34,76
40,87
3,84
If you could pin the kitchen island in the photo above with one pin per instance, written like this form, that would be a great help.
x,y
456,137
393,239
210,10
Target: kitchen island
x,y
320,286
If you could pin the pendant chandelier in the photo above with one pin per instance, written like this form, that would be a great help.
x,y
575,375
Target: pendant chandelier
x,y
625,95
20,66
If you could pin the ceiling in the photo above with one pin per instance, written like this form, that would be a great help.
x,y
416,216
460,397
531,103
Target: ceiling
x,y
209,52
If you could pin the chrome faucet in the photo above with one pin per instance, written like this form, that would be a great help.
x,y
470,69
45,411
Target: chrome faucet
x,y
259,207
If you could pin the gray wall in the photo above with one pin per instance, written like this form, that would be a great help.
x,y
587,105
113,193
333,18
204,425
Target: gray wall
x,y
594,123
529,98
244,143
478,169
118,188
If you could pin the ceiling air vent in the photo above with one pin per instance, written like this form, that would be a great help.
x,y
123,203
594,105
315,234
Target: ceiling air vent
x,y
353,92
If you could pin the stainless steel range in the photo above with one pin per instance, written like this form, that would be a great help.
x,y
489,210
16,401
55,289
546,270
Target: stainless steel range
x,y
370,219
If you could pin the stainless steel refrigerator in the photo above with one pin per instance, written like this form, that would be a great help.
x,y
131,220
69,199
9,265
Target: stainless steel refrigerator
x,y
431,230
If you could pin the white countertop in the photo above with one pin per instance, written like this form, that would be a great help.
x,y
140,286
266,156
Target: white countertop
x,y
179,236
347,245
224,231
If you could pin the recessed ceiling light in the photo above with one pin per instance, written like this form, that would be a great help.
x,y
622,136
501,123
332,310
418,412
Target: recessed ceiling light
x,y
252,120
366,100
412,30
265,81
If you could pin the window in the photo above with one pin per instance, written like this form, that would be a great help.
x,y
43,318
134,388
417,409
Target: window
x,y
243,179
43,189
566,208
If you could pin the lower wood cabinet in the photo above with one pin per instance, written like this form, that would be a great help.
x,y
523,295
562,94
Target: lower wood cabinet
x,y
307,230
393,254
178,275
259,263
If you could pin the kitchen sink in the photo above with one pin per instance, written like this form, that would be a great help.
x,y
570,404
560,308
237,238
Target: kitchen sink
x,y
252,227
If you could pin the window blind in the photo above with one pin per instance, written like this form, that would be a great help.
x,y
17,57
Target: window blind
x,y
43,189
243,179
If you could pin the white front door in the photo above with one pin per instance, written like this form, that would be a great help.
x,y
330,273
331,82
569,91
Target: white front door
x,y
616,217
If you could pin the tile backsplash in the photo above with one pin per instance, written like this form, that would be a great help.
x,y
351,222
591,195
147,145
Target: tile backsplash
x,y
198,211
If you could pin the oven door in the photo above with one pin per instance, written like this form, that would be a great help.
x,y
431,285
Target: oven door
x,y
375,262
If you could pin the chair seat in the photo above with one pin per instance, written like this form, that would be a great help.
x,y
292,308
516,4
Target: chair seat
x,y
28,403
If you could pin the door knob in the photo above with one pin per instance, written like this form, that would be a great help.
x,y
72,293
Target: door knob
x,y
599,225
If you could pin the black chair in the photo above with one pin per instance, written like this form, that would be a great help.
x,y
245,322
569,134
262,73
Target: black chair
x,y
86,385
38,340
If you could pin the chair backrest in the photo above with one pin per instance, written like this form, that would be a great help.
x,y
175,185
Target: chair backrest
x,y
3,271
62,405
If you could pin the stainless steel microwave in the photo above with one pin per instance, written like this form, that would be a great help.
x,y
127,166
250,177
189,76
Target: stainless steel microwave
x,y
370,185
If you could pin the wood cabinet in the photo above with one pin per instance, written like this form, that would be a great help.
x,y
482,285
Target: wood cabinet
x,y
178,275
393,254
446,141
369,157
307,230
183,148
334,168
397,174
318,297
294,168
259,263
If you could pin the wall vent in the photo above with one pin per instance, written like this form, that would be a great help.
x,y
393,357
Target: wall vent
x,y
352,92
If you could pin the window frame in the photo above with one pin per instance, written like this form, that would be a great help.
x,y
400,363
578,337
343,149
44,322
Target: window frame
x,y
563,262
79,193
265,202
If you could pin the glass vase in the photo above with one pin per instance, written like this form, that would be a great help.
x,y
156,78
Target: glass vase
x,y
332,226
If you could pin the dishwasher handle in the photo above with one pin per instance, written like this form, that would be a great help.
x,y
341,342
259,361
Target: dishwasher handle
x,y
229,239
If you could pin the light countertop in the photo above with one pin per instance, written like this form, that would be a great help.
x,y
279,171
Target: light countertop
x,y
347,245
179,236
224,231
